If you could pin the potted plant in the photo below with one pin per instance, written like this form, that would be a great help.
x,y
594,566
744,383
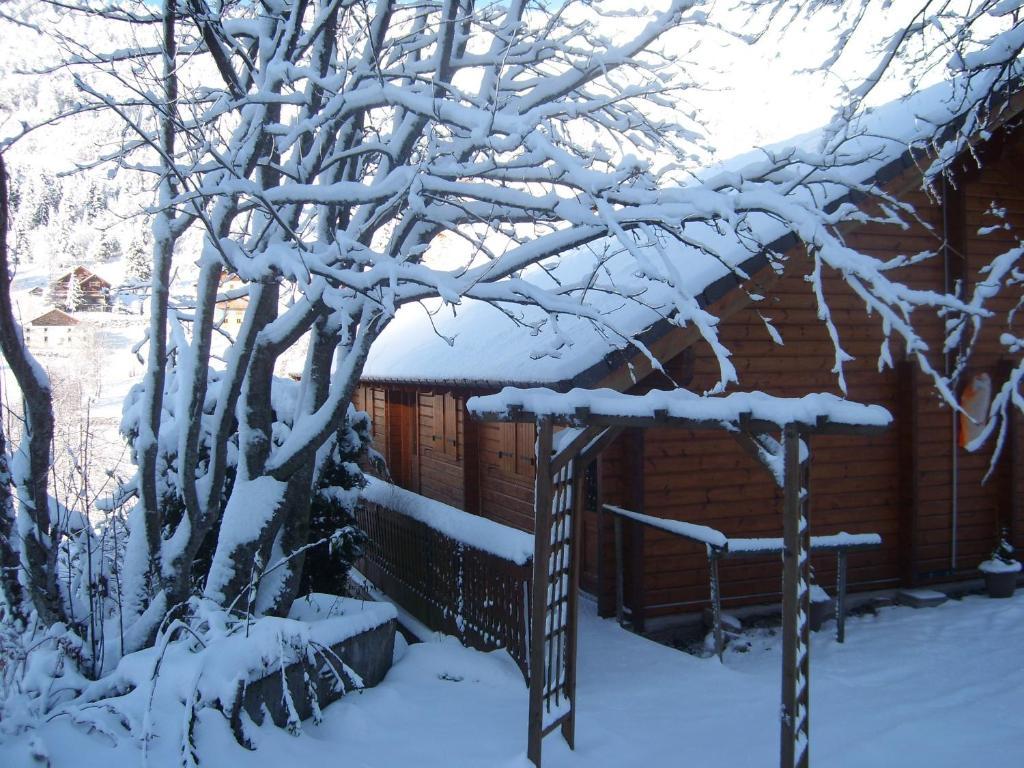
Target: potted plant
x,y
1001,569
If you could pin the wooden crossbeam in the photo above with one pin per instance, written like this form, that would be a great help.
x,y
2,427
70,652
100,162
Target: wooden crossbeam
x,y
572,450
598,444
757,444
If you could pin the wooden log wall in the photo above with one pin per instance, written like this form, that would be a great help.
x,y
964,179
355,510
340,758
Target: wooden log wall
x,y
948,476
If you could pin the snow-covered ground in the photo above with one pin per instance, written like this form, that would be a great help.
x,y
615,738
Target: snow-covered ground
x,y
931,687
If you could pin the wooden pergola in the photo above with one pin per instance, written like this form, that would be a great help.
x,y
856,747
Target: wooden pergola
x,y
595,418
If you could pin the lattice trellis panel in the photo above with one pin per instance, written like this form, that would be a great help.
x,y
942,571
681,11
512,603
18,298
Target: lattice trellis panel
x,y
553,631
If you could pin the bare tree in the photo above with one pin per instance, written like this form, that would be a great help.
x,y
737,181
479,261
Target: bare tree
x,y
323,148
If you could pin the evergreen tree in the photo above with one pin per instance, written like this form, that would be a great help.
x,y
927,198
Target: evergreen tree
x,y
332,512
95,202
107,248
138,264
75,297
47,196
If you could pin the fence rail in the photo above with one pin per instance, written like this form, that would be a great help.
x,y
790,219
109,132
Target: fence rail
x,y
721,547
450,586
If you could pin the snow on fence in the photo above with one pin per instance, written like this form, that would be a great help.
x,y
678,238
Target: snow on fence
x,y
457,573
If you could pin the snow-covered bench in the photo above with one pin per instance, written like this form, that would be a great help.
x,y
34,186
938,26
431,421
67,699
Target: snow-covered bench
x,y
719,547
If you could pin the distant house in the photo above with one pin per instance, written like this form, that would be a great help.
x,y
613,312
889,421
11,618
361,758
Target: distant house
x,y
80,289
232,305
56,333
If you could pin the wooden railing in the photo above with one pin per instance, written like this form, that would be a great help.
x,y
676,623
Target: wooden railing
x,y
471,592
719,547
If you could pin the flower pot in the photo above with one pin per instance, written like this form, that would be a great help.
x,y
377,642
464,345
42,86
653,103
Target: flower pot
x,y
1000,584
1000,576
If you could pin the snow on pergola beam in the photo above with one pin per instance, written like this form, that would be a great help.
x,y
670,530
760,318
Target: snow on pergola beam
x,y
751,412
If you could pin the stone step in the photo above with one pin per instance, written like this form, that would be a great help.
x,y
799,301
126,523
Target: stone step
x,y
920,598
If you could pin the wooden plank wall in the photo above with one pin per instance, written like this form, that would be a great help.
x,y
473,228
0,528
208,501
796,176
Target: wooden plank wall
x,y
981,509
598,564
373,400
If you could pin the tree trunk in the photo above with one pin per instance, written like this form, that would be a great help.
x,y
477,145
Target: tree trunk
x,y
38,549
13,594
281,587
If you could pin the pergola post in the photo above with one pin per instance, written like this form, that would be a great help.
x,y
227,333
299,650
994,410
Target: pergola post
x,y
796,608
716,601
541,582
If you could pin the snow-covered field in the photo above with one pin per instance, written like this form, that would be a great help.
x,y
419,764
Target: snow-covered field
x,y
931,687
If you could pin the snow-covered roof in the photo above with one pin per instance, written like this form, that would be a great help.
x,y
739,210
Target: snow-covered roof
x,y
82,274
476,343
54,317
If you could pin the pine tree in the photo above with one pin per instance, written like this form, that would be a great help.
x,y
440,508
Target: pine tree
x,y
138,264
332,514
95,202
107,248
47,197
75,296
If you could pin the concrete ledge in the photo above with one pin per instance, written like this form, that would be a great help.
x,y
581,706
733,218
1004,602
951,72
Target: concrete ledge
x,y
368,654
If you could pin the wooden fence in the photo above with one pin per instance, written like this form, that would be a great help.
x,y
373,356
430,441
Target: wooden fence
x,y
450,586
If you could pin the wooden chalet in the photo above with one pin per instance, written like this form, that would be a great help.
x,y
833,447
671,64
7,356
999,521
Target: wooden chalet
x,y
913,484
94,291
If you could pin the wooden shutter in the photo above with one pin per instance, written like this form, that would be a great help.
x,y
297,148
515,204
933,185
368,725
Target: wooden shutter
x,y
507,447
526,454
451,425
378,414
516,452
437,423
444,424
